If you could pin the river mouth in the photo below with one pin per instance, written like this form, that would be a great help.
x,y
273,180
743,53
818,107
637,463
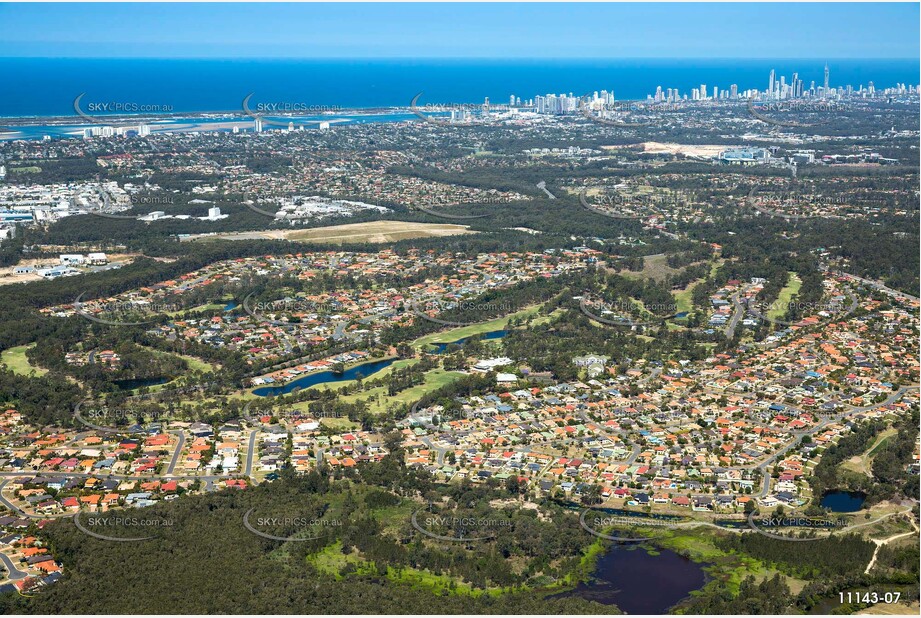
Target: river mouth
x,y
840,501
641,580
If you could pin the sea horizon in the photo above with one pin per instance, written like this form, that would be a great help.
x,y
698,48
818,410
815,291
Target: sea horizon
x,y
43,87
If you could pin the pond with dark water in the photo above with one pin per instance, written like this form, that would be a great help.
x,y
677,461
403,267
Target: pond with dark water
x,y
640,582
843,501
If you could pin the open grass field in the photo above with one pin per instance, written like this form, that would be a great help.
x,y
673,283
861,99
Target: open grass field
x,y
194,363
367,232
379,400
654,267
685,298
794,283
15,359
861,463
474,329
205,307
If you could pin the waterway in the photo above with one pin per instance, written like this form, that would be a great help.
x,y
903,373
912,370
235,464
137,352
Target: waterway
x,y
440,348
131,384
843,501
323,377
640,582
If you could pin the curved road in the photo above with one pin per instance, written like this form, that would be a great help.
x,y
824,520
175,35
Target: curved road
x,y
12,572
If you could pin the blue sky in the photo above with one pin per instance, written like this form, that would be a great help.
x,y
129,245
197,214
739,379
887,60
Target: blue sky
x,y
526,30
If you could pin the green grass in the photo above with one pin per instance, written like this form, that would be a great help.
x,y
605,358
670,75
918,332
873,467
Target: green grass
x,y
342,424
331,560
684,299
196,364
379,400
547,318
474,329
791,289
205,307
861,463
15,359
884,439
400,364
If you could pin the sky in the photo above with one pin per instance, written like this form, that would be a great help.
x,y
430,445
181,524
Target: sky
x,y
432,30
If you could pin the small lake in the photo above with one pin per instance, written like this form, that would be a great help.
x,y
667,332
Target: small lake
x,y
843,501
440,348
231,305
640,583
322,377
130,385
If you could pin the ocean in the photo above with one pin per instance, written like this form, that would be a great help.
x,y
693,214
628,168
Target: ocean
x,y
48,86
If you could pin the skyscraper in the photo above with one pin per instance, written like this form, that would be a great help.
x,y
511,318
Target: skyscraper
x,y
825,92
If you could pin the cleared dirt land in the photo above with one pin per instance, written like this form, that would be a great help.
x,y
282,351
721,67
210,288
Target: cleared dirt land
x,y
8,274
371,231
705,151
